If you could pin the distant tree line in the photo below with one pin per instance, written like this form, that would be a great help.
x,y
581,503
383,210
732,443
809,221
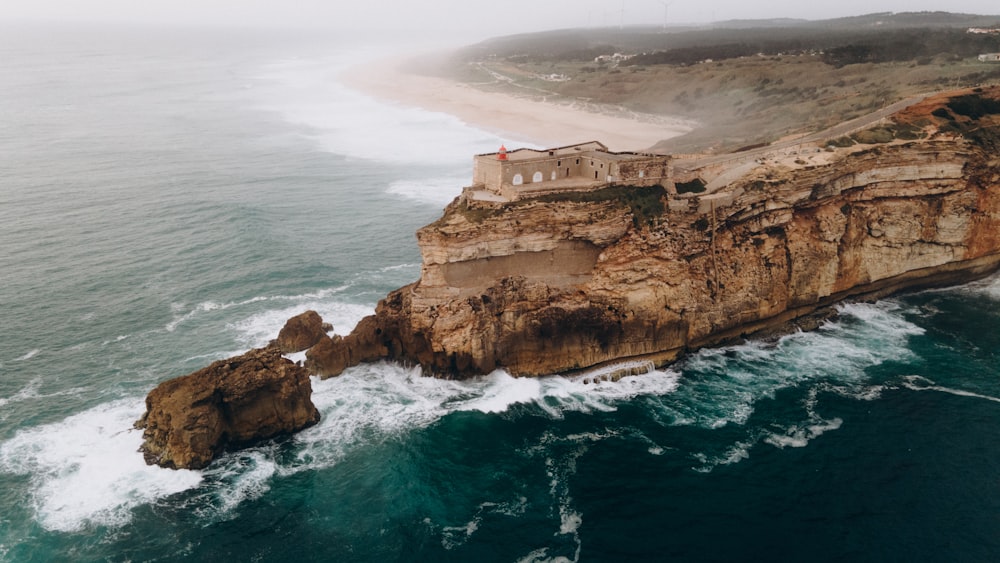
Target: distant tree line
x,y
839,48
871,38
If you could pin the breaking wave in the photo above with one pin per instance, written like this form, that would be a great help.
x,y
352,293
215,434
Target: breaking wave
x,y
85,469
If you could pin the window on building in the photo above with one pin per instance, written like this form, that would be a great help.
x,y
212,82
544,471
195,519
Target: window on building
x,y
518,180
537,177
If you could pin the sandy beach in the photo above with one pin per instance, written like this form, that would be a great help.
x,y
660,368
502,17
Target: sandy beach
x,y
546,124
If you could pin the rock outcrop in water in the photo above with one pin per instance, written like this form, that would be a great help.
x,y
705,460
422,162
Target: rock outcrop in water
x,y
301,332
232,403
573,280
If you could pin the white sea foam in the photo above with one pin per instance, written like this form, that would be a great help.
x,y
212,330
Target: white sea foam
x,y
232,479
799,435
455,536
85,470
735,453
203,307
27,356
260,328
721,386
434,191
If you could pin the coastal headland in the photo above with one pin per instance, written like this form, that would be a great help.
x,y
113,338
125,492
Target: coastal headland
x,y
611,252
538,281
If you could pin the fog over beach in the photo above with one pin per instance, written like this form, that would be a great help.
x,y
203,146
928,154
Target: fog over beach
x,y
541,122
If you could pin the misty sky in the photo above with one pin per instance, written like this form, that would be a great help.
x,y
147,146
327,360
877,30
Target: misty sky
x,y
467,17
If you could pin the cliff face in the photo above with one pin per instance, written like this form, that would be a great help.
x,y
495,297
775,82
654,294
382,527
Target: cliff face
x,y
567,282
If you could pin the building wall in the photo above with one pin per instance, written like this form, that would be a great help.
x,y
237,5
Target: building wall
x,y
486,171
564,167
588,167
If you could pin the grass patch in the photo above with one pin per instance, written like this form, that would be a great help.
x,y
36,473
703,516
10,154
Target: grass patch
x,y
974,106
842,142
644,202
695,186
875,136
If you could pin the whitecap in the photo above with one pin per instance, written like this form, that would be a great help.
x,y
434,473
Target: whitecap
x,y
27,356
29,391
85,470
799,436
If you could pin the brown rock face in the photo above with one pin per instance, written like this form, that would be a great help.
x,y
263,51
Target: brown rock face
x,y
232,403
301,332
561,283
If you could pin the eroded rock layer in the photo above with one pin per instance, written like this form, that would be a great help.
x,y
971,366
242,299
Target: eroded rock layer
x,y
567,282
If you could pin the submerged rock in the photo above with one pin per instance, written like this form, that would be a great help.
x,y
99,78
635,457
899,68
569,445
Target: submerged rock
x,y
232,403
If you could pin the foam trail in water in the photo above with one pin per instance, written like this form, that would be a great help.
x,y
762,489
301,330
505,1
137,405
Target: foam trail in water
x,y
86,469
721,387
799,435
561,454
204,307
454,536
259,329
30,354
919,383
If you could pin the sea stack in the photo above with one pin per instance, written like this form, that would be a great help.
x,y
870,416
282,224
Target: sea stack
x,y
567,258
233,403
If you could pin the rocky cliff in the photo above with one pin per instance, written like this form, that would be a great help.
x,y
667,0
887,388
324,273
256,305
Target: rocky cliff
x,y
568,281
232,403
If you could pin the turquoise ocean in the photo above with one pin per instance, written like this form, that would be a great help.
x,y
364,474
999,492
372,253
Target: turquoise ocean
x,y
169,197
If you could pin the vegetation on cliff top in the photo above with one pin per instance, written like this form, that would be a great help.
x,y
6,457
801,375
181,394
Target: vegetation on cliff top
x,y
644,203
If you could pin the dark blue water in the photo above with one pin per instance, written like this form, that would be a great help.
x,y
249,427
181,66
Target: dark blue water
x,y
169,197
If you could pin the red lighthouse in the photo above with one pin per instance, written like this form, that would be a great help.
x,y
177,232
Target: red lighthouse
x,y
502,155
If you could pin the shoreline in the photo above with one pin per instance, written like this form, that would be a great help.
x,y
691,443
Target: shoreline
x,y
542,123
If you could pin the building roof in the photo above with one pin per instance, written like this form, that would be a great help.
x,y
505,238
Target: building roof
x,y
568,150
